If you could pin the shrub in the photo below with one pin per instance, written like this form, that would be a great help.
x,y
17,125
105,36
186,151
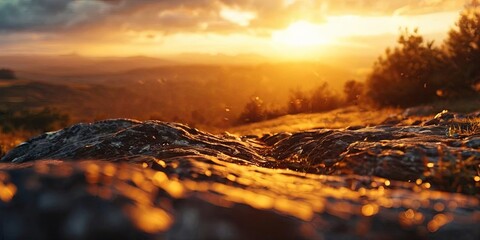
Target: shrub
x,y
7,74
462,48
407,75
416,72
253,111
32,121
256,111
353,91
298,102
324,99
321,99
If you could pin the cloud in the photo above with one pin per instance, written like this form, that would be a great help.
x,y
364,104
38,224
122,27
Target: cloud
x,y
171,16
42,15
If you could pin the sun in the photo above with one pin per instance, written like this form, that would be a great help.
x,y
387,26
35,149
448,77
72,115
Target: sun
x,y
302,34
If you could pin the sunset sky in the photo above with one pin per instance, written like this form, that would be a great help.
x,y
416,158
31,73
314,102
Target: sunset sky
x,y
272,28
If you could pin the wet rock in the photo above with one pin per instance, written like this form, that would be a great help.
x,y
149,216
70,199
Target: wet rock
x,y
472,142
100,199
445,115
123,138
392,120
420,111
357,127
154,180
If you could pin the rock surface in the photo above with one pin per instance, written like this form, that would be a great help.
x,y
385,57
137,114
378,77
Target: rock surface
x,y
126,179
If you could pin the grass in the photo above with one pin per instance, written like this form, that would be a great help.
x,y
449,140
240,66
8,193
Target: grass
x,y
454,174
469,126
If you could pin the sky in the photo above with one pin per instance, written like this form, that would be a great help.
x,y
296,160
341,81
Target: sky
x,y
296,29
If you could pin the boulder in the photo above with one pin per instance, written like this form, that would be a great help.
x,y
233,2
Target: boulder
x,y
126,179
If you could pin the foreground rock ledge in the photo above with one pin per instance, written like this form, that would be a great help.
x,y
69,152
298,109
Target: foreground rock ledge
x,y
129,179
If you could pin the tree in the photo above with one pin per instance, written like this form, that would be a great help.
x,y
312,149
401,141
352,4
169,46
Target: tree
x,y
463,51
407,75
7,74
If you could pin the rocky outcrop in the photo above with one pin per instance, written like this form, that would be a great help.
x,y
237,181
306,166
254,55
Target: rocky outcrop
x,y
130,179
118,139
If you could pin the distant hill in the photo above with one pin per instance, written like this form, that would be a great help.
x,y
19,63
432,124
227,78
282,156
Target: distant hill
x,y
81,102
143,88
220,59
60,67
7,74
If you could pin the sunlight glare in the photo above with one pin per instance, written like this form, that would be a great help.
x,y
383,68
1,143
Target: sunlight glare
x,y
336,30
302,34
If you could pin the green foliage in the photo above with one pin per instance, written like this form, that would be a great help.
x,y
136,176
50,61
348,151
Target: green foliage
x,y
32,121
7,74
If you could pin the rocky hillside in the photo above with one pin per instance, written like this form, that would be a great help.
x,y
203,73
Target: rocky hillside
x,y
129,179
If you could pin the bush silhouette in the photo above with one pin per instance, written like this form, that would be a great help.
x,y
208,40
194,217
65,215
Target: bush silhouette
x,y
324,99
7,74
407,75
298,102
253,111
417,72
353,91
462,49
321,99
32,121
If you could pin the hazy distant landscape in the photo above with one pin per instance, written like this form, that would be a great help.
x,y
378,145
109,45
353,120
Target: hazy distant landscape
x,y
147,88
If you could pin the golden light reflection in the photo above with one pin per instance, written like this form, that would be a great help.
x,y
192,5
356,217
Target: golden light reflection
x,y
437,222
369,210
231,177
303,196
159,178
109,170
175,189
7,191
387,183
411,217
419,181
92,173
150,220
439,207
